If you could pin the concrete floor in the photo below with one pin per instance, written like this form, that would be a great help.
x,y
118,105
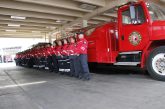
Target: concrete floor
x,y
22,88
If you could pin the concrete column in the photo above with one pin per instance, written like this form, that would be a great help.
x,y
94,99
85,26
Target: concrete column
x,y
84,23
50,38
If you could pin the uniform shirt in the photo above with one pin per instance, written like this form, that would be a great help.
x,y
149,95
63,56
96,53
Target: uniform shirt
x,y
27,55
64,50
37,53
72,49
17,56
45,53
82,45
20,56
23,56
53,51
48,51
33,52
58,50
40,52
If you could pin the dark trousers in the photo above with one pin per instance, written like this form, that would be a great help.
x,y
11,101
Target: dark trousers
x,y
74,64
59,63
37,61
26,61
50,63
23,61
55,63
42,62
16,62
20,62
84,70
64,64
30,62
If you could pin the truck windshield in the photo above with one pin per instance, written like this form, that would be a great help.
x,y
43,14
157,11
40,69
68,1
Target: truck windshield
x,y
156,12
139,17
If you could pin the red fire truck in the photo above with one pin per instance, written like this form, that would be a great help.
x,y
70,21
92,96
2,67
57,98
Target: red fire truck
x,y
136,39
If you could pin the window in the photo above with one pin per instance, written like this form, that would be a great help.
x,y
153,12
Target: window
x,y
139,16
89,32
156,12
126,19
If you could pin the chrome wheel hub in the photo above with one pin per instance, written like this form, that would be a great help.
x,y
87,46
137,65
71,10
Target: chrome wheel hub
x,y
158,63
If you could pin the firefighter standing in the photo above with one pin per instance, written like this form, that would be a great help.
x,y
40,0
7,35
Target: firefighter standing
x,y
31,61
49,57
37,58
82,45
42,55
64,57
58,53
54,57
73,57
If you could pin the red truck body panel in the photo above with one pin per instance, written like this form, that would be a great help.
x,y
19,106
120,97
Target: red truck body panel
x,y
108,40
158,30
125,30
103,43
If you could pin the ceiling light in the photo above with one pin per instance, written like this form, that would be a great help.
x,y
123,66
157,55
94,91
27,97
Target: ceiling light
x,y
18,17
88,6
36,32
69,28
58,21
16,25
51,27
10,30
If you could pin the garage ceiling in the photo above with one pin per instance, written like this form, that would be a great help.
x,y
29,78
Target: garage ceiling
x,y
37,18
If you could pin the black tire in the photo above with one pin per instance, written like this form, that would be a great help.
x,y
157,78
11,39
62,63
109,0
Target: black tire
x,y
150,69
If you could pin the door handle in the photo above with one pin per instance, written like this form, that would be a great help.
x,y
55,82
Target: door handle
x,y
122,37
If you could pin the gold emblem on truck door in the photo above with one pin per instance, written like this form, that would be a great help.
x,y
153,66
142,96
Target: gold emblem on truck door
x,y
135,38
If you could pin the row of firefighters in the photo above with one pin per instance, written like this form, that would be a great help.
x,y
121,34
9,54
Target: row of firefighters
x,y
66,56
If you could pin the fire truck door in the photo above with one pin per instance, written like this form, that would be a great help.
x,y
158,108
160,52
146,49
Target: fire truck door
x,y
134,33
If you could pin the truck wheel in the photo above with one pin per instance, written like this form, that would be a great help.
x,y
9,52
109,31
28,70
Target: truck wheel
x,y
156,63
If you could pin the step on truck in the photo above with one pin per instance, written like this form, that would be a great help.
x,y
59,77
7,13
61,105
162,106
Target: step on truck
x,y
137,38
